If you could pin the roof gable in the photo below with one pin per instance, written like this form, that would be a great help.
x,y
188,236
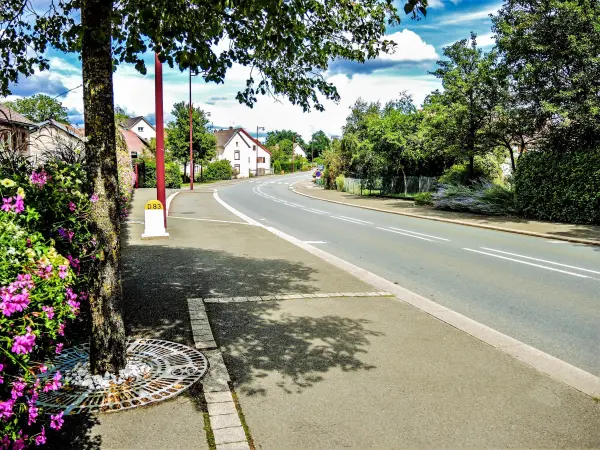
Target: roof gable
x,y
8,115
132,121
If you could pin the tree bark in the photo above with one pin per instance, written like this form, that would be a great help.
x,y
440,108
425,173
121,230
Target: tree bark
x,y
107,346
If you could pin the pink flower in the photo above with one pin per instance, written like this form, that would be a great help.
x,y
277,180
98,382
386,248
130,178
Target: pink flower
x,y
61,329
40,439
72,206
43,368
7,205
23,344
62,271
94,198
56,421
17,389
33,413
49,310
59,348
6,409
19,206
39,179
55,384
19,444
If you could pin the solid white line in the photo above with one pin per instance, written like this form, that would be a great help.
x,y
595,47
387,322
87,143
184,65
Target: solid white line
x,y
556,242
541,260
169,200
358,220
209,220
528,263
420,234
347,220
553,367
315,242
235,211
405,234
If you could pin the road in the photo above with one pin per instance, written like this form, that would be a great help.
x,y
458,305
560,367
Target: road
x,y
541,292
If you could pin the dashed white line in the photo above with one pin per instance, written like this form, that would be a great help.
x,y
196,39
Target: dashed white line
x,y
528,263
541,260
357,220
405,234
420,234
348,220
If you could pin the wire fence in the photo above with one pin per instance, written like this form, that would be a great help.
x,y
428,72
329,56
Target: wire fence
x,y
389,186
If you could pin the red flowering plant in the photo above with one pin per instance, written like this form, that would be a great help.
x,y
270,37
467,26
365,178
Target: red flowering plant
x,y
47,252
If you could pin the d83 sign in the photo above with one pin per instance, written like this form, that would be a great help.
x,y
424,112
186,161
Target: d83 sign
x,y
154,220
154,204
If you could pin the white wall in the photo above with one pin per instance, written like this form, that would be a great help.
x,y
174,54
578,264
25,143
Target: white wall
x,y
247,155
50,138
299,150
147,131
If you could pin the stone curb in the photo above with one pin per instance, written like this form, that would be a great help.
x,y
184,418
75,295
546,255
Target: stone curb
x,y
288,297
457,222
225,422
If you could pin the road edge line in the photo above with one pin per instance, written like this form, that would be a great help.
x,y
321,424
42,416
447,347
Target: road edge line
x,y
169,200
456,222
553,367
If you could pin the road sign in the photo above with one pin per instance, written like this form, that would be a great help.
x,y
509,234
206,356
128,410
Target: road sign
x,y
318,174
320,167
154,222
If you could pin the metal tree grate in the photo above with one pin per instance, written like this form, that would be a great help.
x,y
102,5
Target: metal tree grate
x,y
173,368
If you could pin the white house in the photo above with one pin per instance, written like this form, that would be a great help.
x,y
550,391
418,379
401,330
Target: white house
x,y
56,138
299,151
245,153
140,126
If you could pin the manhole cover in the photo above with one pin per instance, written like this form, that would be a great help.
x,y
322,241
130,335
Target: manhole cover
x,y
173,368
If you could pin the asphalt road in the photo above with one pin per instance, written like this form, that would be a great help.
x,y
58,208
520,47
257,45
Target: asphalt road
x,y
542,292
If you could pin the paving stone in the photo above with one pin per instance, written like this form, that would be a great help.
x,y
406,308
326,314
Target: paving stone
x,y
240,299
211,300
268,297
214,385
204,344
321,295
280,297
229,435
225,300
335,294
194,314
197,320
234,446
225,421
254,299
201,328
218,397
215,409
308,295
371,294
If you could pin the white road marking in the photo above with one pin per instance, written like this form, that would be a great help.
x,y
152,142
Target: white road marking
x,y
528,263
358,220
315,242
405,234
556,242
209,220
315,212
541,260
348,220
420,234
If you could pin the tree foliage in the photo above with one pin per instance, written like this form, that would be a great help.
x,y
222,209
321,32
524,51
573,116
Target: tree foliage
x,y
319,142
275,137
40,107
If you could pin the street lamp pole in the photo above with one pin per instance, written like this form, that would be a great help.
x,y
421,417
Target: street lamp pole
x,y
257,147
160,136
191,138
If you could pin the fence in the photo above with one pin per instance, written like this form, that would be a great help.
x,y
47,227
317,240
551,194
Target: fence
x,y
389,186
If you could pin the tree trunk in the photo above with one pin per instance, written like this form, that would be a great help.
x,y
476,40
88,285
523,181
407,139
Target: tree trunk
x,y
512,159
471,168
184,172
107,346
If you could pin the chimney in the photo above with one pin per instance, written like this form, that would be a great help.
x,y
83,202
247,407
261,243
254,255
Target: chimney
x,y
231,128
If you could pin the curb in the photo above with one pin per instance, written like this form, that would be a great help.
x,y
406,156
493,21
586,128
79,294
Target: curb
x,y
169,200
457,222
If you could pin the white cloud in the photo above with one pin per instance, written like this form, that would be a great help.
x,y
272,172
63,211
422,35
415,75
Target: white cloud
x,y
463,17
486,40
409,47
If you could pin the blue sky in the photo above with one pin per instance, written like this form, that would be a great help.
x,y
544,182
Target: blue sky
x,y
420,45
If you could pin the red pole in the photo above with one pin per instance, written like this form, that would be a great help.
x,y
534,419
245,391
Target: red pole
x,y
137,177
160,137
191,136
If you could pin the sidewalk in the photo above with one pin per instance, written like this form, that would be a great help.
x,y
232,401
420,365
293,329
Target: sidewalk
x,y
317,371
588,234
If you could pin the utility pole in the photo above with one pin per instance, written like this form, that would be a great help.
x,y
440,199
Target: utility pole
x,y
293,151
160,136
257,147
191,138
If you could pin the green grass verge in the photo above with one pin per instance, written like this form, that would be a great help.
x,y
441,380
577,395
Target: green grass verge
x,y
243,420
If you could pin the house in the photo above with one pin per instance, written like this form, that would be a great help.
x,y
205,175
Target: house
x,y
298,150
245,153
53,137
15,130
138,147
140,126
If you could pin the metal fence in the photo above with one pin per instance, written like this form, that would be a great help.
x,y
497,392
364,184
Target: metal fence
x,y
389,186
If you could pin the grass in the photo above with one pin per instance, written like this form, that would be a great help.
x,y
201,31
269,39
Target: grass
x,y
210,437
243,420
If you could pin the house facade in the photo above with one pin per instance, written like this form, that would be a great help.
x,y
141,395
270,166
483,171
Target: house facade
x,y
299,151
137,146
52,137
140,126
246,154
15,130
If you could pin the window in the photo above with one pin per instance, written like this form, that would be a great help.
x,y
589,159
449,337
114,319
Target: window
x,y
236,168
134,155
236,155
261,159
237,144
254,147
140,128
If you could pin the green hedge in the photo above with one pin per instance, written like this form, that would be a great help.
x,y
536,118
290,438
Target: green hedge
x,y
561,187
172,175
218,170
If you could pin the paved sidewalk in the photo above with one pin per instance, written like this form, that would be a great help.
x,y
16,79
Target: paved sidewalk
x,y
361,372
552,230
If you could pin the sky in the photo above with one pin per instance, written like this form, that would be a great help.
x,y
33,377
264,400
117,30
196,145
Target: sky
x,y
420,45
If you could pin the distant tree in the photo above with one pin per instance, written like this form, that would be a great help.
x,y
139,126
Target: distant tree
x,y
274,137
359,111
204,143
40,107
121,115
319,142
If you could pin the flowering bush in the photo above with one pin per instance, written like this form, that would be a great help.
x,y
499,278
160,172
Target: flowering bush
x,y
46,254
126,176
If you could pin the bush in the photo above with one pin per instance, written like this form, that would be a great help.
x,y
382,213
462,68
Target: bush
x,y
218,170
480,198
172,175
423,198
559,186
339,183
277,167
46,256
485,168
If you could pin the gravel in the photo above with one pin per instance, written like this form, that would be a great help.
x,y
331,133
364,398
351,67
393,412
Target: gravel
x,y
80,376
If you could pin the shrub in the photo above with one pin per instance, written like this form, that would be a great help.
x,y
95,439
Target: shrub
x,y
480,198
423,198
485,168
276,167
559,186
46,255
339,183
172,175
218,170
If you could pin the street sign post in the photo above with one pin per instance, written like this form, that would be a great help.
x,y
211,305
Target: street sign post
x,y
154,222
